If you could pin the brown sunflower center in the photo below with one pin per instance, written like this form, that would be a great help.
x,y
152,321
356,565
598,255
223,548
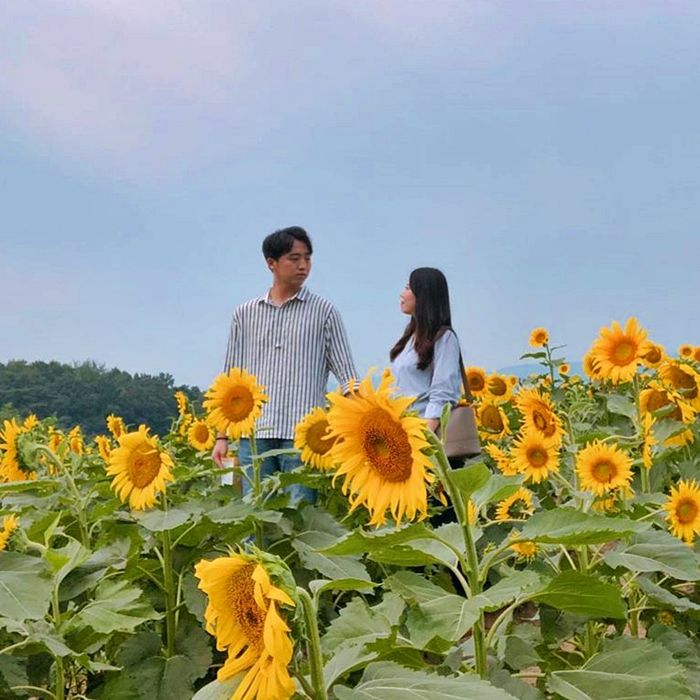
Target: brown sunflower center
x,y
686,511
386,446
316,438
476,381
653,355
603,471
201,432
624,352
537,457
144,465
491,419
657,400
238,404
497,386
241,599
542,419
681,380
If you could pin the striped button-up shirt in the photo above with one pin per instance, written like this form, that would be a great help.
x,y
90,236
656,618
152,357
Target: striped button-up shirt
x,y
290,349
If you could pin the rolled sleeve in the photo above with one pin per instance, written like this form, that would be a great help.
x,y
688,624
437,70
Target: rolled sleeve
x,y
338,355
446,382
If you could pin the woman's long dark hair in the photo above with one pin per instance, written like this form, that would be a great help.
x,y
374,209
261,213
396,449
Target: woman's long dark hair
x,y
431,317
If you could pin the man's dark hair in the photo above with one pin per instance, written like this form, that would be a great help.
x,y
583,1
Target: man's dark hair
x,y
280,242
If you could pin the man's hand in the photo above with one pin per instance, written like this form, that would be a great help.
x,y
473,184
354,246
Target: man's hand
x,y
219,452
433,424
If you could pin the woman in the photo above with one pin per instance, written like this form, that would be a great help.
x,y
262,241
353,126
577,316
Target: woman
x,y
426,359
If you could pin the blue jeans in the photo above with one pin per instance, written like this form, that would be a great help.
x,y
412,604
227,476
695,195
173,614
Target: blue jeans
x,y
270,465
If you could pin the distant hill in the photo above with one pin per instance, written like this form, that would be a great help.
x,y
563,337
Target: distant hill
x,y
86,393
525,370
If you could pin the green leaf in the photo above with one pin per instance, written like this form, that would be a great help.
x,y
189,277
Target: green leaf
x,y
389,681
435,612
666,599
62,561
470,479
319,586
357,623
219,690
496,489
344,660
574,527
517,688
626,668
13,672
159,520
158,678
192,642
583,595
366,541
321,531
617,403
656,550
195,600
686,651
93,569
116,607
25,587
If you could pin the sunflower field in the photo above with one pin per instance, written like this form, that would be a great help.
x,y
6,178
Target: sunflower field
x,y
561,563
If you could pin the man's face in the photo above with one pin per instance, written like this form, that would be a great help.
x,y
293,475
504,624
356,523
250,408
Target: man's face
x,y
293,267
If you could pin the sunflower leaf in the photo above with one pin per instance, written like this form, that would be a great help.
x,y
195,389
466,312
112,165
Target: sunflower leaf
x,y
655,551
617,403
582,594
573,527
626,668
157,520
25,587
389,681
219,690
471,478
685,650
666,599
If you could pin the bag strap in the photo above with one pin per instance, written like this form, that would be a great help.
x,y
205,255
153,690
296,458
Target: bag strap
x,y
467,391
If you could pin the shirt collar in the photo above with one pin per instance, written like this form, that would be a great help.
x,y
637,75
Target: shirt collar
x,y
301,295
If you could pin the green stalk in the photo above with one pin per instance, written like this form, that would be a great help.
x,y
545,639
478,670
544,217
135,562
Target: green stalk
x,y
313,645
257,487
60,686
169,589
644,473
549,363
472,572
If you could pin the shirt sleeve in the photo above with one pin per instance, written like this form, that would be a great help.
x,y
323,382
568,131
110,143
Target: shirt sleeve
x,y
338,355
446,383
233,347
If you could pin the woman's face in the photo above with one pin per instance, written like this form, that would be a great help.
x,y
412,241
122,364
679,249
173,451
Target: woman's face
x,y
407,301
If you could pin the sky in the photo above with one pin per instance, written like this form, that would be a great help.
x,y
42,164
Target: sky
x,y
543,154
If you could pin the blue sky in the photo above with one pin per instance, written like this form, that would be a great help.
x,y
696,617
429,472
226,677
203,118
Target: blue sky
x,y
544,155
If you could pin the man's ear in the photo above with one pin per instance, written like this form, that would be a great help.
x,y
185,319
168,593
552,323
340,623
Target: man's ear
x,y
271,264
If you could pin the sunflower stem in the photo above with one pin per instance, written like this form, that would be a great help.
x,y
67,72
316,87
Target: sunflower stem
x,y
644,474
472,572
257,487
169,589
60,687
313,645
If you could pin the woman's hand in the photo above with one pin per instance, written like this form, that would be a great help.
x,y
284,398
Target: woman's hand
x,y
219,451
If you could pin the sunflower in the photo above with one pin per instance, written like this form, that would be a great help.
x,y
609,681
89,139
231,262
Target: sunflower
x,y
538,337
380,451
513,380
9,524
685,350
591,366
234,402
200,435
602,468
115,425
607,504
502,458
618,351
522,498
539,415
139,468
184,423
683,508
499,388
696,353
55,439
493,422
652,354
75,441
476,377
104,446
31,421
656,397
472,512
181,399
310,436
535,456
564,369
684,379
527,550
10,469
242,614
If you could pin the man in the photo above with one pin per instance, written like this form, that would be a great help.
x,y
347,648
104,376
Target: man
x,y
289,338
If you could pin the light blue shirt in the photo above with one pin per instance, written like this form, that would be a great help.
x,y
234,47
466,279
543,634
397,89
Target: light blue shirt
x,y
438,384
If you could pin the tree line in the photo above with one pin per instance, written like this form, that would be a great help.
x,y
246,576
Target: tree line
x,y
85,393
